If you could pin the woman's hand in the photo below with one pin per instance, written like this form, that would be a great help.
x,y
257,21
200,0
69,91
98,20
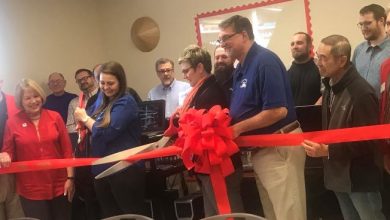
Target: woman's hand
x,y
5,160
69,189
80,114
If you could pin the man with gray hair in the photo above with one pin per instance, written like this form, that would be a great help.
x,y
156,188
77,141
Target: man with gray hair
x,y
352,170
171,90
59,99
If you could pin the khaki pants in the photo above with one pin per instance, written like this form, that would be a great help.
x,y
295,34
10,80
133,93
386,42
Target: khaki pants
x,y
279,173
10,206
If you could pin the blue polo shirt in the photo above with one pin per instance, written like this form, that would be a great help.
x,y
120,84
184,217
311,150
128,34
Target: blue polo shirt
x,y
261,83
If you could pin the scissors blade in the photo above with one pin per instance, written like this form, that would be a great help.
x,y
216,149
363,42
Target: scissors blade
x,y
122,155
114,168
163,142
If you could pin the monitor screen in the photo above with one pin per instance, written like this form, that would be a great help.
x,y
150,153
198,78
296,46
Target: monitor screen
x,y
152,115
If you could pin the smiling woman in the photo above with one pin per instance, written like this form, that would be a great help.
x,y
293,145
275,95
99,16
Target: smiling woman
x,y
35,133
115,127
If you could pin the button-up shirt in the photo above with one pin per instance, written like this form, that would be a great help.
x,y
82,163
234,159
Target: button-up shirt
x,y
368,60
23,141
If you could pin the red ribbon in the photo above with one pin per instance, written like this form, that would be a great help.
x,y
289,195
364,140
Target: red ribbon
x,y
81,129
373,132
333,136
35,165
205,144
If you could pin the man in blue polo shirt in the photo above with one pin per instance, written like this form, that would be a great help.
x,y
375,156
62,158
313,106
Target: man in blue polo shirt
x,y
262,103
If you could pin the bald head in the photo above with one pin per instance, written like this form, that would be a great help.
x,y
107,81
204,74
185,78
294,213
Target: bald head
x,y
57,83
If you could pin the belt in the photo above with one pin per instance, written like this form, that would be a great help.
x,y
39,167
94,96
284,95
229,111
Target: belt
x,y
288,128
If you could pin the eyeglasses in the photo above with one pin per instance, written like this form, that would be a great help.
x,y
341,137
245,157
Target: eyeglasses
x,y
364,24
82,79
162,71
225,38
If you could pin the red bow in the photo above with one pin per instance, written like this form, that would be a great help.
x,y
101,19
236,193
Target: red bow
x,y
207,145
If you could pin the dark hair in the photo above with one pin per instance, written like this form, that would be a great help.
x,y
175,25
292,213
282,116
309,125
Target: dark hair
x,y
239,24
340,45
308,38
378,11
162,61
115,69
194,55
83,70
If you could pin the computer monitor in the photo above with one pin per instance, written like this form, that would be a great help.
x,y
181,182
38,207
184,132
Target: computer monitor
x,y
152,116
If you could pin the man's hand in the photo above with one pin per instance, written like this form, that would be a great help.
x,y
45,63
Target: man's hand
x,y
314,149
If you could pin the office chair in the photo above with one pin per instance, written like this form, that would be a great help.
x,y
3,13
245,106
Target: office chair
x,y
128,217
236,216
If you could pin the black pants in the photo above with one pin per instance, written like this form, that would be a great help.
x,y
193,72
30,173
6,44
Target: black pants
x,y
122,193
85,205
56,209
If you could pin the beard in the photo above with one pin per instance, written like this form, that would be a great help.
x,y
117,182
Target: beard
x,y
301,57
220,67
371,36
223,71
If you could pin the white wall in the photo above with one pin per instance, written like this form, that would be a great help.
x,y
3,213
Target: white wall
x,y
41,36
177,30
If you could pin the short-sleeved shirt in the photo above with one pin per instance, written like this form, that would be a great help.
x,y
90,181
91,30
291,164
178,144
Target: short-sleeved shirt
x,y
368,60
173,95
260,83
